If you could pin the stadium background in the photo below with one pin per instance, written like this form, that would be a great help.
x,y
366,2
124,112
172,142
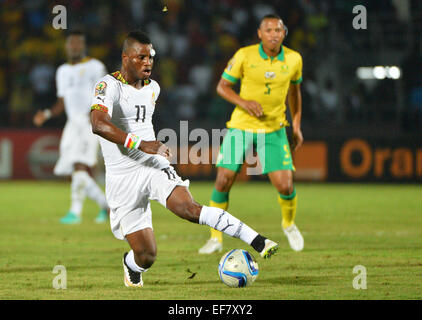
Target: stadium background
x,y
355,130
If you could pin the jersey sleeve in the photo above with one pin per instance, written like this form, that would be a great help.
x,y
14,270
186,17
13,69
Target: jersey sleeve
x,y
156,91
297,76
60,82
104,96
234,69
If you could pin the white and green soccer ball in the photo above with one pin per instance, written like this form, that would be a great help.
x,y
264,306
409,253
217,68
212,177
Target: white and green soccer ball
x,y
238,268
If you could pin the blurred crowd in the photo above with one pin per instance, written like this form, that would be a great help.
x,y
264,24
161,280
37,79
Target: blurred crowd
x,y
194,40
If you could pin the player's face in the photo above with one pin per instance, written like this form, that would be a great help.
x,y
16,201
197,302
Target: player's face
x,y
75,47
139,60
272,33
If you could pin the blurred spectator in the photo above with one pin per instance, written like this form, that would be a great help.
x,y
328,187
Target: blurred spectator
x,y
179,46
160,38
411,67
185,98
3,98
384,108
311,101
194,41
412,82
42,83
416,105
261,8
403,10
357,104
303,39
167,69
137,9
201,75
219,112
20,102
329,101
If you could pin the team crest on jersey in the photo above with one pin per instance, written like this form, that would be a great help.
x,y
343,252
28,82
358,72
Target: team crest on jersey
x,y
269,75
152,98
100,88
284,68
230,65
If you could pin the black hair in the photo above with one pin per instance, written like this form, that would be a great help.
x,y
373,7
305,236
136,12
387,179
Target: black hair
x,y
135,36
270,16
139,36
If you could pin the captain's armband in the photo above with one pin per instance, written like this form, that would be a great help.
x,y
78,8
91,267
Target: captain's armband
x,y
99,107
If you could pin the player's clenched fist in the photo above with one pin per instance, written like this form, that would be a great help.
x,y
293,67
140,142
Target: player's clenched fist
x,y
155,147
252,107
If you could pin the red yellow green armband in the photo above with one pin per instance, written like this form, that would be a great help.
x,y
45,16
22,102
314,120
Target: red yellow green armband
x,y
99,107
132,141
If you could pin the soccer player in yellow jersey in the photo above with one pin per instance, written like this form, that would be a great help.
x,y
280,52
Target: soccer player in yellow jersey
x,y
269,72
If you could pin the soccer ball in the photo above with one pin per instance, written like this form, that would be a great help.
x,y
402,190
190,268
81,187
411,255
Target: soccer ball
x,y
238,268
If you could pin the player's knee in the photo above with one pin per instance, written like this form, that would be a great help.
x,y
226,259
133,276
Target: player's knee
x,y
285,188
224,182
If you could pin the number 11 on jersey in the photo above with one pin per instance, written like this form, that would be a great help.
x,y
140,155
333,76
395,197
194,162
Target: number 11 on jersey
x,y
137,113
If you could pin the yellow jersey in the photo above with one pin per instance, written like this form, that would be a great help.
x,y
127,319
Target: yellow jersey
x,y
265,80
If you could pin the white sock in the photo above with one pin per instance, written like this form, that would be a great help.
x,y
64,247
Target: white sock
x,y
94,192
130,261
77,192
223,221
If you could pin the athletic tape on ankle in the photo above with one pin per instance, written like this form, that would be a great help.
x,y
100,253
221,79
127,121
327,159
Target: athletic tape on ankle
x,y
132,141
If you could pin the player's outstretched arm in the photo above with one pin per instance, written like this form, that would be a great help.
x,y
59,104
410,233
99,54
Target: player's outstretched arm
x,y
225,90
43,115
295,104
102,126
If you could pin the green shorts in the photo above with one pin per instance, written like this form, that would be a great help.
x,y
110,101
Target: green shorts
x,y
272,148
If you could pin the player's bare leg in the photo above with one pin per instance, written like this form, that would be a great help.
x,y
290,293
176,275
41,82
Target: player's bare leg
x,y
282,180
225,179
83,185
77,194
223,183
181,203
140,258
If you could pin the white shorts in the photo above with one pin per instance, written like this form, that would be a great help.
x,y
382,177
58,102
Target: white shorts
x,y
77,145
129,194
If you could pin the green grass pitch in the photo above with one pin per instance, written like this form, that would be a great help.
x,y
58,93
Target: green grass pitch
x,y
344,225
